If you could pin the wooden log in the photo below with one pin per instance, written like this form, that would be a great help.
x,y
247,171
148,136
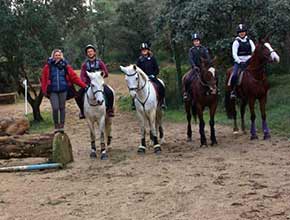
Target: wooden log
x,y
33,145
8,98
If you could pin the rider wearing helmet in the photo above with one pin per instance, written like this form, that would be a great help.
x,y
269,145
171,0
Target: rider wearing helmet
x,y
148,64
242,50
195,53
91,64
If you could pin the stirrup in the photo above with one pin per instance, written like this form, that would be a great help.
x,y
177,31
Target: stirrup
x,y
233,95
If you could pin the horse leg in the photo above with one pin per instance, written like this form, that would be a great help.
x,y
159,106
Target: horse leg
x,y
242,111
203,141
142,147
152,124
236,129
93,139
188,117
211,123
108,130
104,155
264,122
159,125
253,118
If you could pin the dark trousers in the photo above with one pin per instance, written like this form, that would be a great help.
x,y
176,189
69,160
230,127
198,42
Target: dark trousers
x,y
235,76
160,88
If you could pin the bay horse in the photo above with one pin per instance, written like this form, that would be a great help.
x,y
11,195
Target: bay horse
x,y
95,112
148,110
203,94
252,86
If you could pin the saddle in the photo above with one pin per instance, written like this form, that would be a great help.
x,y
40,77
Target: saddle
x,y
240,77
157,86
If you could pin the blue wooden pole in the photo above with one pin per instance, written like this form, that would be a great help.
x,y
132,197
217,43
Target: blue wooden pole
x,y
31,167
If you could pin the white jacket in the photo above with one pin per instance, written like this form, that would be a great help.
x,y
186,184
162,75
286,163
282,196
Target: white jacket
x,y
235,47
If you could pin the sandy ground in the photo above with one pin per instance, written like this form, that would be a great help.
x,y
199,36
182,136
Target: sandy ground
x,y
238,179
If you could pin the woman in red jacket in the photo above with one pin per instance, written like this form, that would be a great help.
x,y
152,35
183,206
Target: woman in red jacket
x,y
57,76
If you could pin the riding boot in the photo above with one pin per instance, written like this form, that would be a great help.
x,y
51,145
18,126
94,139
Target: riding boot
x,y
133,107
234,93
185,96
163,104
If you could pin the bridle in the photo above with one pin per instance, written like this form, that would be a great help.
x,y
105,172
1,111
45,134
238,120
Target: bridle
x,y
136,88
139,89
94,95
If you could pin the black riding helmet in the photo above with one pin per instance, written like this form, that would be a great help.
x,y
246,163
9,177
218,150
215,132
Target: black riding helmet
x,y
195,36
241,28
90,46
144,46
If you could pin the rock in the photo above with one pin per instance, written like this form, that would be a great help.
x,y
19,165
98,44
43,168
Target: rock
x,y
62,149
13,126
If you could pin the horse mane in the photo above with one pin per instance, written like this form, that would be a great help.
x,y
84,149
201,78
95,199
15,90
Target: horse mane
x,y
143,75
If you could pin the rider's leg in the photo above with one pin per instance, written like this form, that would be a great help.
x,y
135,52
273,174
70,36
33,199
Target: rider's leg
x,y
234,80
80,102
110,100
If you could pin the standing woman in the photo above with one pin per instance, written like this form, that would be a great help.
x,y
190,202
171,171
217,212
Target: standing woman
x,y
57,76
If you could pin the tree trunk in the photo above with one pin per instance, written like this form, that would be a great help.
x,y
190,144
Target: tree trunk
x,y
177,60
34,103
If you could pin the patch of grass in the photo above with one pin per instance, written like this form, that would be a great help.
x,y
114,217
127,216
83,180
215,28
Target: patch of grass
x,y
124,103
41,127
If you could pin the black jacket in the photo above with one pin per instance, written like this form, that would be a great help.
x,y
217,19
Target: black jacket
x,y
195,53
148,65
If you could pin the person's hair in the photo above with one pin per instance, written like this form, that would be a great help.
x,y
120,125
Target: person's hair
x,y
55,51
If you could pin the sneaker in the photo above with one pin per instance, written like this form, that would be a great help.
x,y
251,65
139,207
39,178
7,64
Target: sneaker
x,y
81,116
110,112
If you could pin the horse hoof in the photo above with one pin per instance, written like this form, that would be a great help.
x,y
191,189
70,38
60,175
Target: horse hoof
x,y
254,137
104,156
157,150
267,136
201,145
236,132
93,155
109,140
141,150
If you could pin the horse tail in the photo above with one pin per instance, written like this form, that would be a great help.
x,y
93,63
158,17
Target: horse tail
x,y
229,105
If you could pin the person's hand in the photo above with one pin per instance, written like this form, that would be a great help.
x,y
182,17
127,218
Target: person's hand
x,y
151,76
196,68
243,65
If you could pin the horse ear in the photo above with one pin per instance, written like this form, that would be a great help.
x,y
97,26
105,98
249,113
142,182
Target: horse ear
x,y
134,67
102,74
89,74
122,69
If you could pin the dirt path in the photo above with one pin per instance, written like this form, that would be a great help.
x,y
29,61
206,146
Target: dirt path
x,y
238,179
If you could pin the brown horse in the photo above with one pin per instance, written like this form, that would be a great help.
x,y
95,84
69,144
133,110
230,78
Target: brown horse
x,y
203,94
253,85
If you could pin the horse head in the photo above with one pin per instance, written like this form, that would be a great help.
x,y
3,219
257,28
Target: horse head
x,y
208,75
96,91
134,77
266,52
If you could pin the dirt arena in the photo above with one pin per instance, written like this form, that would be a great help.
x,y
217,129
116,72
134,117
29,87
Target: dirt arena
x,y
237,179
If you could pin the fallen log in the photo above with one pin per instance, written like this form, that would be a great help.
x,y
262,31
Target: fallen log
x,y
31,145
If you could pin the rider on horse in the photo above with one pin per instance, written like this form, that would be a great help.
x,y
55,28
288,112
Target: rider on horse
x,y
148,64
242,50
196,52
91,64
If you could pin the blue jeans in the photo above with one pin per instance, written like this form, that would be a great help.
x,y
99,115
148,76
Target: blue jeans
x,y
234,79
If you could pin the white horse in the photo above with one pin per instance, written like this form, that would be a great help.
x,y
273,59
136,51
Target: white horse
x,y
145,98
95,111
